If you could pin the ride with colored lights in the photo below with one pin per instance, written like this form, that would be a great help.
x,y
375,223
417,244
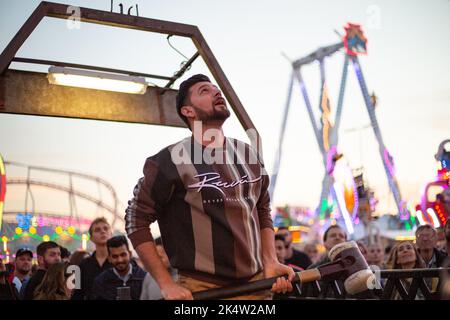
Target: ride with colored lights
x,y
434,208
345,197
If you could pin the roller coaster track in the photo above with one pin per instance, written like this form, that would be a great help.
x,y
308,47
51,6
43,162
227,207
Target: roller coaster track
x,y
69,189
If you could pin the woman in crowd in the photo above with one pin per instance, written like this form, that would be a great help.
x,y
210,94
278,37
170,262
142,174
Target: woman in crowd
x,y
375,255
404,255
53,286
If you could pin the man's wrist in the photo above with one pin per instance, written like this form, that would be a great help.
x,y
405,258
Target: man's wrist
x,y
268,261
165,281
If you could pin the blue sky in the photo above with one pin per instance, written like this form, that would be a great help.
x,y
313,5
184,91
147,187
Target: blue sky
x,y
407,66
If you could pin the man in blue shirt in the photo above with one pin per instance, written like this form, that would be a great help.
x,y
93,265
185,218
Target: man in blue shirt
x,y
124,280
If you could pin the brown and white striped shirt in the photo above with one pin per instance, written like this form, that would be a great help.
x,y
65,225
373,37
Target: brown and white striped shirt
x,y
210,205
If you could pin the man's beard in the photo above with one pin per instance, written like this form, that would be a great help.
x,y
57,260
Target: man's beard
x,y
23,271
46,265
121,266
216,115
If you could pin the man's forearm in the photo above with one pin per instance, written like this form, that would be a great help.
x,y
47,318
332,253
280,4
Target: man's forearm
x,y
153,264
268,246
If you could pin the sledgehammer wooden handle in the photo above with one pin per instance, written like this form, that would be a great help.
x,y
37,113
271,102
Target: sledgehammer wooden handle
x,y
255,286
309,275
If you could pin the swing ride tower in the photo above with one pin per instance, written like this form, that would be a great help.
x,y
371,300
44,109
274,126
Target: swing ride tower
x,y
354,43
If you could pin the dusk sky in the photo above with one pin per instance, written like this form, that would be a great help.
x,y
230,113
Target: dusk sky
x,y
407,66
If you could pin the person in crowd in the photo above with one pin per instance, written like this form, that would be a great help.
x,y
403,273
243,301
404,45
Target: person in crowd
x,y
77,257
375,259
10,268
23,263
123,274
445,286
387,251
65,254
312,251
447,237
280,248
7,290
281,251
293,257
426,238
375,254
54,284
331,237
404,255
150,288
99,232
48,253
440,243
445,278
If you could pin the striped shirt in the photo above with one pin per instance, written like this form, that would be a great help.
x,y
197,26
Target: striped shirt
x,y
210,204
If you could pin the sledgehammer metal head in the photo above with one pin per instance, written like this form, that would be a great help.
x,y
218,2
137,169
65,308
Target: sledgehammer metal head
x,y
355,270
347,263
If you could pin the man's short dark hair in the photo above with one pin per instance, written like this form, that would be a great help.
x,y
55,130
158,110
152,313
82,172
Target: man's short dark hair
x,y
423,227
279,237
183,92
42,248
117,242
64,252
283,228
325,235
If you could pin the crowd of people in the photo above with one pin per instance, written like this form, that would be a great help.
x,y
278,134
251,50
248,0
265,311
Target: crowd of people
x,y
424,253
111,273
425,249
108,273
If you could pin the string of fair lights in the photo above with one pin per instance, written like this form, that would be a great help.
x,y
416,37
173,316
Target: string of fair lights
x,y
59,232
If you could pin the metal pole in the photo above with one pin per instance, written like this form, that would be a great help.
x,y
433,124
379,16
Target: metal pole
x,y
335,132
277,161
328,178
373,119
309,108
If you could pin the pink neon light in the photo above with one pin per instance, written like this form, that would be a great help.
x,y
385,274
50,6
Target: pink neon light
x,y
44,221
330,165
389,163
61,221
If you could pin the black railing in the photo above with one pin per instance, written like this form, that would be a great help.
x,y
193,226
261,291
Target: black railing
x,y
391,284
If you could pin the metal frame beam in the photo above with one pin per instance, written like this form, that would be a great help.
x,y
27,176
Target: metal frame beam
x,y
63,11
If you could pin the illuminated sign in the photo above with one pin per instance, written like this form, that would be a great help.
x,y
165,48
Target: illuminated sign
x,y
355,42
27,220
